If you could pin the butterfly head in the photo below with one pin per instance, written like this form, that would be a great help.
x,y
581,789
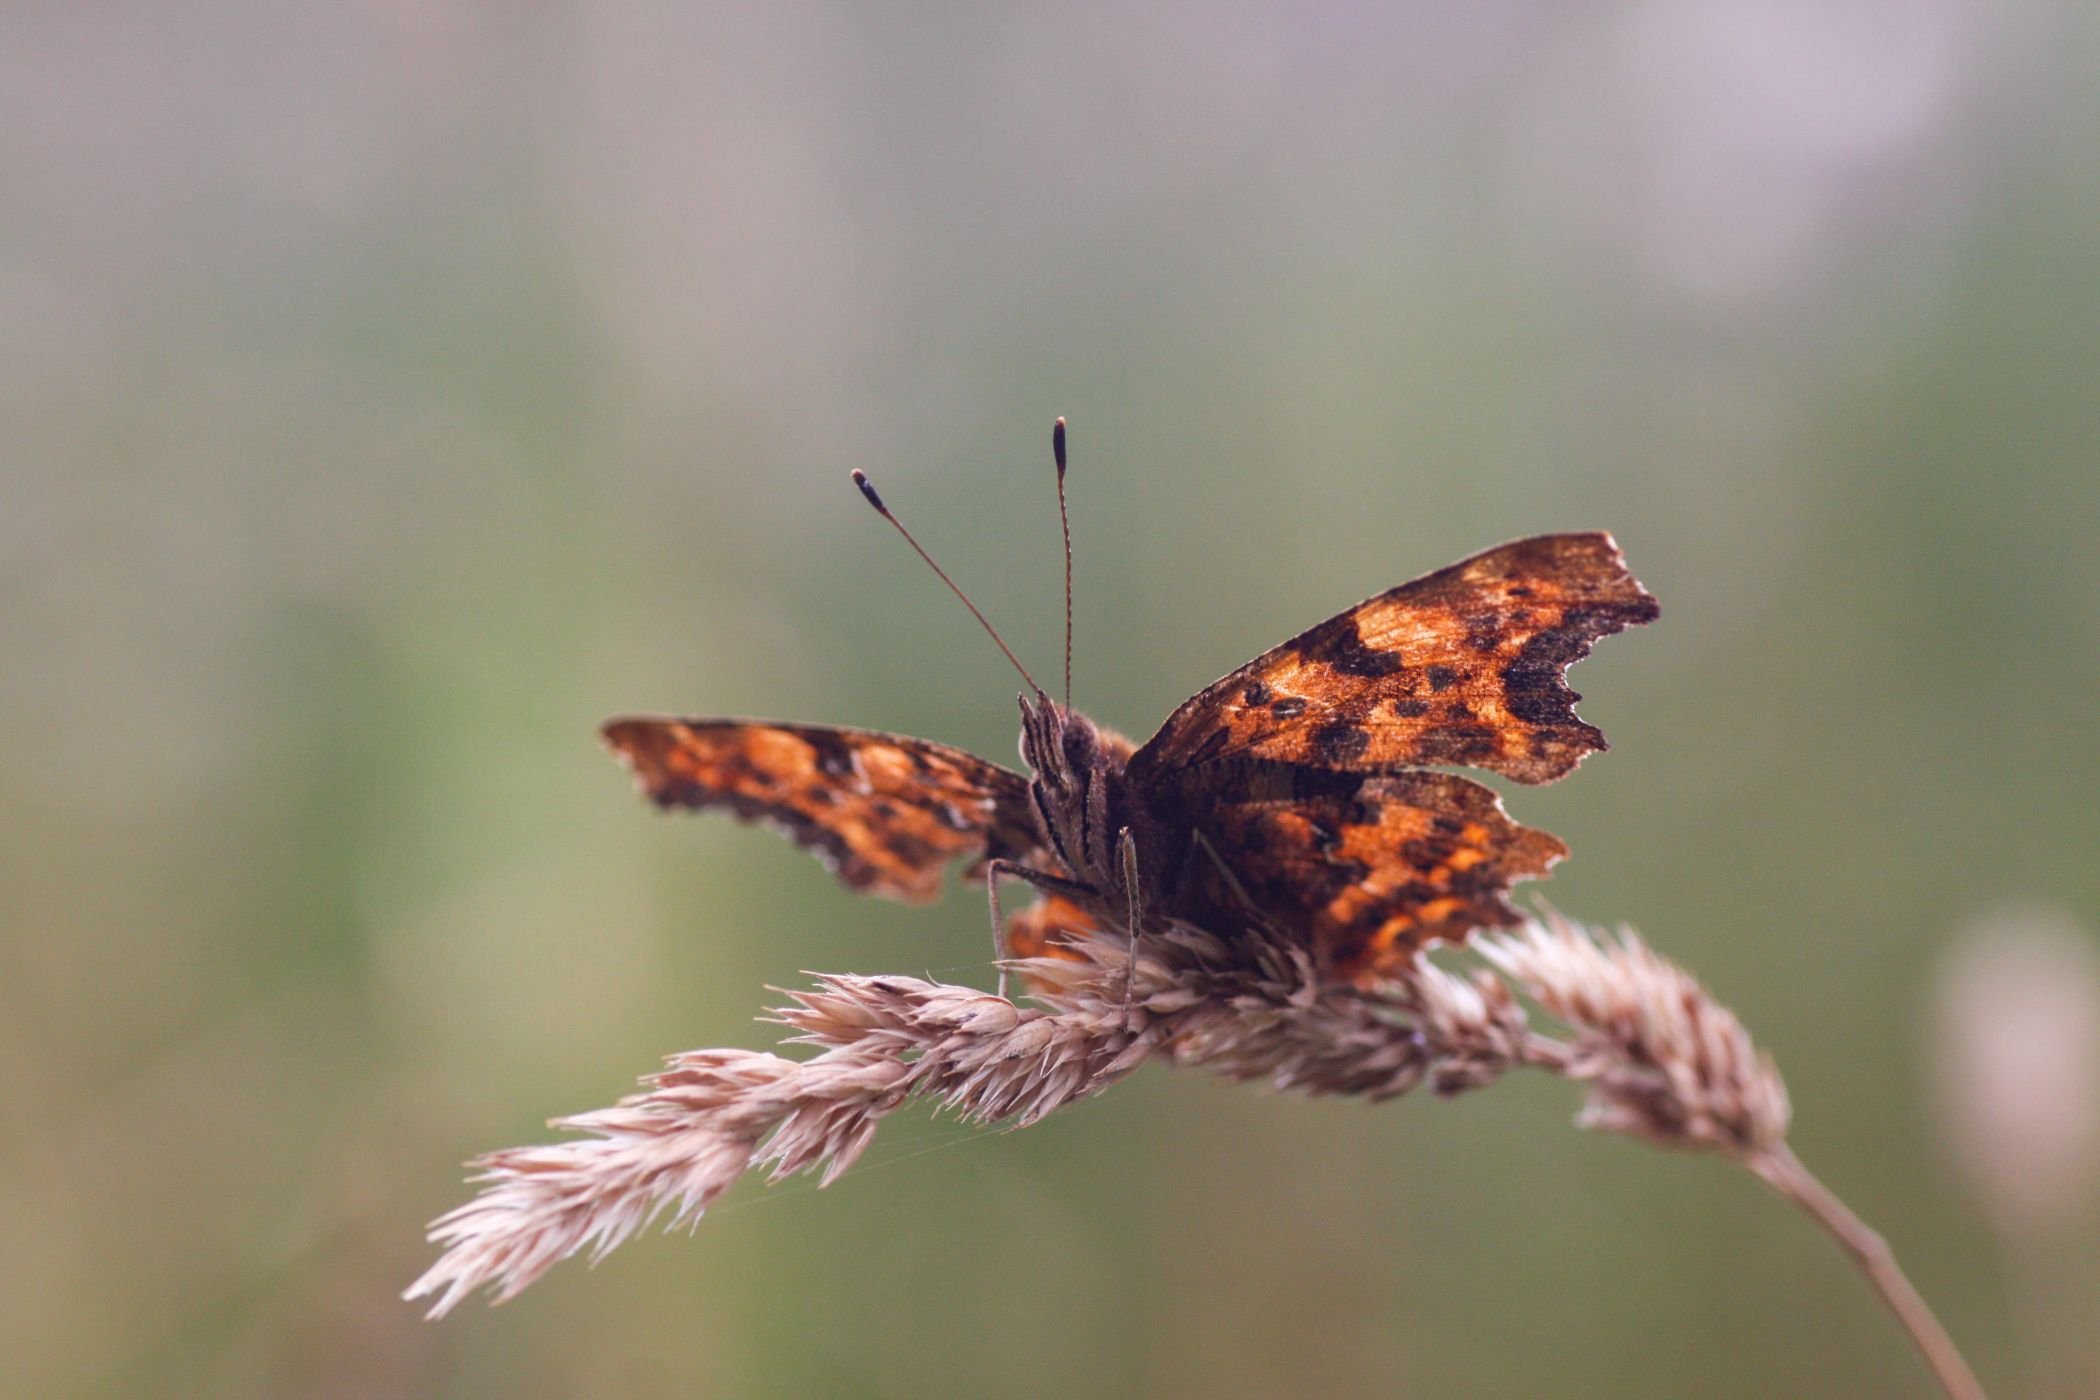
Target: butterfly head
x,y
1078,790
1058,743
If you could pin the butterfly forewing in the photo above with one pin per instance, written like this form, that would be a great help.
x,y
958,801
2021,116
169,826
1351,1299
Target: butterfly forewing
x,y
1460,667
888,813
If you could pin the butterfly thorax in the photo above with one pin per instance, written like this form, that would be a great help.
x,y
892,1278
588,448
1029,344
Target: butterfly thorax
x,y
1079,791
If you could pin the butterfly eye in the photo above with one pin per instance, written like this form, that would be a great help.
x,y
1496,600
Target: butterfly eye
x,y
1079,748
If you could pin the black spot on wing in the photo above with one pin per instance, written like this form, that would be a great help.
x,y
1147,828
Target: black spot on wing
x,y
1341,645
1339,742
834,754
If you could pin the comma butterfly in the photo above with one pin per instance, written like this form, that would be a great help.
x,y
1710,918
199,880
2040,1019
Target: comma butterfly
x,y
1299,794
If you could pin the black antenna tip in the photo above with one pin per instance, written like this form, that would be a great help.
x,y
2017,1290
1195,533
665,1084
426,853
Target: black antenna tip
x,y
1057,445
867,488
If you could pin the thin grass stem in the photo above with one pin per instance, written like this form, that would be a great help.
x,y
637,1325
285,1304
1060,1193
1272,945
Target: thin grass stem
x,y
1780,1169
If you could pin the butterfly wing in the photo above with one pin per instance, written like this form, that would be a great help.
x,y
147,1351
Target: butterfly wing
x,y
1049,928
1298,783
1363,868
1462,667
886,813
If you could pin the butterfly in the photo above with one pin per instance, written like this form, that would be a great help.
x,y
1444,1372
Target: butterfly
x,y
1305,794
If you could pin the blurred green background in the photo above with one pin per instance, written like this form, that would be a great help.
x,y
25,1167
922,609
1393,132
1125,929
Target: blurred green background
x,y
392,392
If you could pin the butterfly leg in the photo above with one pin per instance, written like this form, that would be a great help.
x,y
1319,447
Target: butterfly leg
x,y
1137,914
1254,911
1027,874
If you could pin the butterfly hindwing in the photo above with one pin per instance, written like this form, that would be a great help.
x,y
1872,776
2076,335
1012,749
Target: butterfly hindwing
x,y
887,813
1051,927
1363,868
1460,667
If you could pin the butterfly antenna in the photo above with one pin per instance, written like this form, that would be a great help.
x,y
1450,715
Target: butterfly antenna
x,y
1057,449
867,488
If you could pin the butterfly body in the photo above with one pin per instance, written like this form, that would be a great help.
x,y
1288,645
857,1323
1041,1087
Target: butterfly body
x,y
1301,794
1079,794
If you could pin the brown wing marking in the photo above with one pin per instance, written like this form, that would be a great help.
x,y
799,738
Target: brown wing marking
x,y
1366,869
886,813
1463,667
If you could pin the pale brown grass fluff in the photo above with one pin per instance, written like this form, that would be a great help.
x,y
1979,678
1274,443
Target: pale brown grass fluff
x,y
1662,1059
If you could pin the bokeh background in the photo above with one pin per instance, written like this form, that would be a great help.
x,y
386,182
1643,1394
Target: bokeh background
x,y
393,391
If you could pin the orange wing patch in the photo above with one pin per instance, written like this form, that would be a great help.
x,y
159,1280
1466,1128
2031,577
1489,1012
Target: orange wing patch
x,y
886,813
1366,869
1462,667
1048,928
